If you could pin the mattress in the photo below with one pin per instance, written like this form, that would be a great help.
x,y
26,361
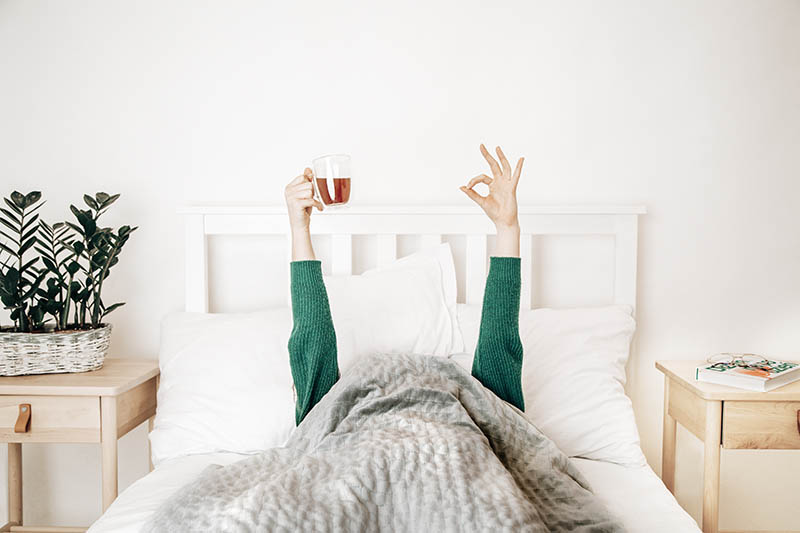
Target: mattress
x,y
635,494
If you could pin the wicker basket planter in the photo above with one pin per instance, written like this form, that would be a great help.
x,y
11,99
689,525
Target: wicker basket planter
x,y
53,352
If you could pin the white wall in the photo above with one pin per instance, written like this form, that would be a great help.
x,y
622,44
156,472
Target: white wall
x,y
692,108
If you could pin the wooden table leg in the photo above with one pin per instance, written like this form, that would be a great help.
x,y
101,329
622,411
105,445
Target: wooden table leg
x,y
15,483
711,441
668,443
108,437
150,422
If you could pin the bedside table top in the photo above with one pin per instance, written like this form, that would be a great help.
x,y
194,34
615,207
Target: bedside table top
x,y
683,372
116,376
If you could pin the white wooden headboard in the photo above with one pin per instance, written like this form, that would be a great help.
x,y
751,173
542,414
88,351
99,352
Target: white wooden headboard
x,y
429,222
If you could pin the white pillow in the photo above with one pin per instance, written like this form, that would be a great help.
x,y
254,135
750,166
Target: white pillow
x,y
573,377
408,306
225,383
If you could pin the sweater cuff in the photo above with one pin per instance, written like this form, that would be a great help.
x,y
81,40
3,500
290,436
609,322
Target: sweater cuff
x,y
505,268
306,273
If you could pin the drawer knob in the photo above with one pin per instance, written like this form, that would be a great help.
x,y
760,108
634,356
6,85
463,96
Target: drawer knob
x,y
23,424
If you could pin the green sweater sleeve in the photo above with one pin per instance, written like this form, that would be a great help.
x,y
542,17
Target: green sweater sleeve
x,y
498,356
312,344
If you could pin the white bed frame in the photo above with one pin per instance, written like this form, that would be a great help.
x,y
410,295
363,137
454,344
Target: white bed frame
x,y
429,222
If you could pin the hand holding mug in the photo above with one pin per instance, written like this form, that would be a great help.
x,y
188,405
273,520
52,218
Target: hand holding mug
x,y
300,201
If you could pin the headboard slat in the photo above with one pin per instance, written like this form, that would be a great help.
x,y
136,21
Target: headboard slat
x,y
196,264
476,267
430,240
387,248
342,254
526,253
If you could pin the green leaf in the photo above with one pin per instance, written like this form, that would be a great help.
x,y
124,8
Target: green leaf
x,y
30,221
51,266
12,277
34,286
31,198
46,235
18,199
78,247
42,248
110,200
91,202
60,229
13,206
75,227
25,246
12,241
72,268
10,215
37,316
85,220
29,234
10,226
112,307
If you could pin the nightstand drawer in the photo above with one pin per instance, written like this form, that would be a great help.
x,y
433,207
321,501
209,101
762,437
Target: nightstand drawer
x,y
53,419
761,425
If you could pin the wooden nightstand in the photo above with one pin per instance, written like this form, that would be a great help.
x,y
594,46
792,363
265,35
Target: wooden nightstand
x,y
99,406
724,417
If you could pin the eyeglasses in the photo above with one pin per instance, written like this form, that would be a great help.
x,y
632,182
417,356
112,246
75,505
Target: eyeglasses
x,y
738,359
747,362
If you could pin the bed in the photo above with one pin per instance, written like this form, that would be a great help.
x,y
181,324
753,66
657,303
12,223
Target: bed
x,y
629,488
636,495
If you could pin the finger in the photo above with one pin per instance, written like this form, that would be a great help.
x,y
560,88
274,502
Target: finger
x,y
477,198
308,174
306,202
492,163
299,179
518,171
302,193
483,178
318,204
504,162
306,185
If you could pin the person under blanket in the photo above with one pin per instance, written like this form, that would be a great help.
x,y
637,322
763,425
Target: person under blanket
x,y
498,356
402,442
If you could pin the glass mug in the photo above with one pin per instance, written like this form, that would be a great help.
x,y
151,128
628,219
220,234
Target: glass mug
x,y
332,179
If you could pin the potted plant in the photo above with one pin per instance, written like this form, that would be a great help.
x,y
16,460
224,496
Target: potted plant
x,y
51,281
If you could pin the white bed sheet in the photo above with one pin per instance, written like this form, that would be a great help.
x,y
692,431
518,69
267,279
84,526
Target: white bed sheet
x,y
636,495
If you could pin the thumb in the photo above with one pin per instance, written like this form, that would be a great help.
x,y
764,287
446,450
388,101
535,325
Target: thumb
x,y
477,198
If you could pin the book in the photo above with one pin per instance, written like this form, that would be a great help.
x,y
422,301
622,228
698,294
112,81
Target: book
x,y
762,376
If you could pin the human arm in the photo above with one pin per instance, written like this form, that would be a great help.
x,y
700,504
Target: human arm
x,y
498,355
312,343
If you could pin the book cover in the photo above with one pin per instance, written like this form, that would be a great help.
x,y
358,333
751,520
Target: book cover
x,y
764,370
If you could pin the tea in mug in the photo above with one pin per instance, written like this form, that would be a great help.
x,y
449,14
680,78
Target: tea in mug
x,y
333,191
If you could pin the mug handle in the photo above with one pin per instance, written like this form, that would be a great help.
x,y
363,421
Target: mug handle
x,y
314,190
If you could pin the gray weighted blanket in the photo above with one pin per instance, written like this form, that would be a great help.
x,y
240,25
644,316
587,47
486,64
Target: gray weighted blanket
x,y
400,443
